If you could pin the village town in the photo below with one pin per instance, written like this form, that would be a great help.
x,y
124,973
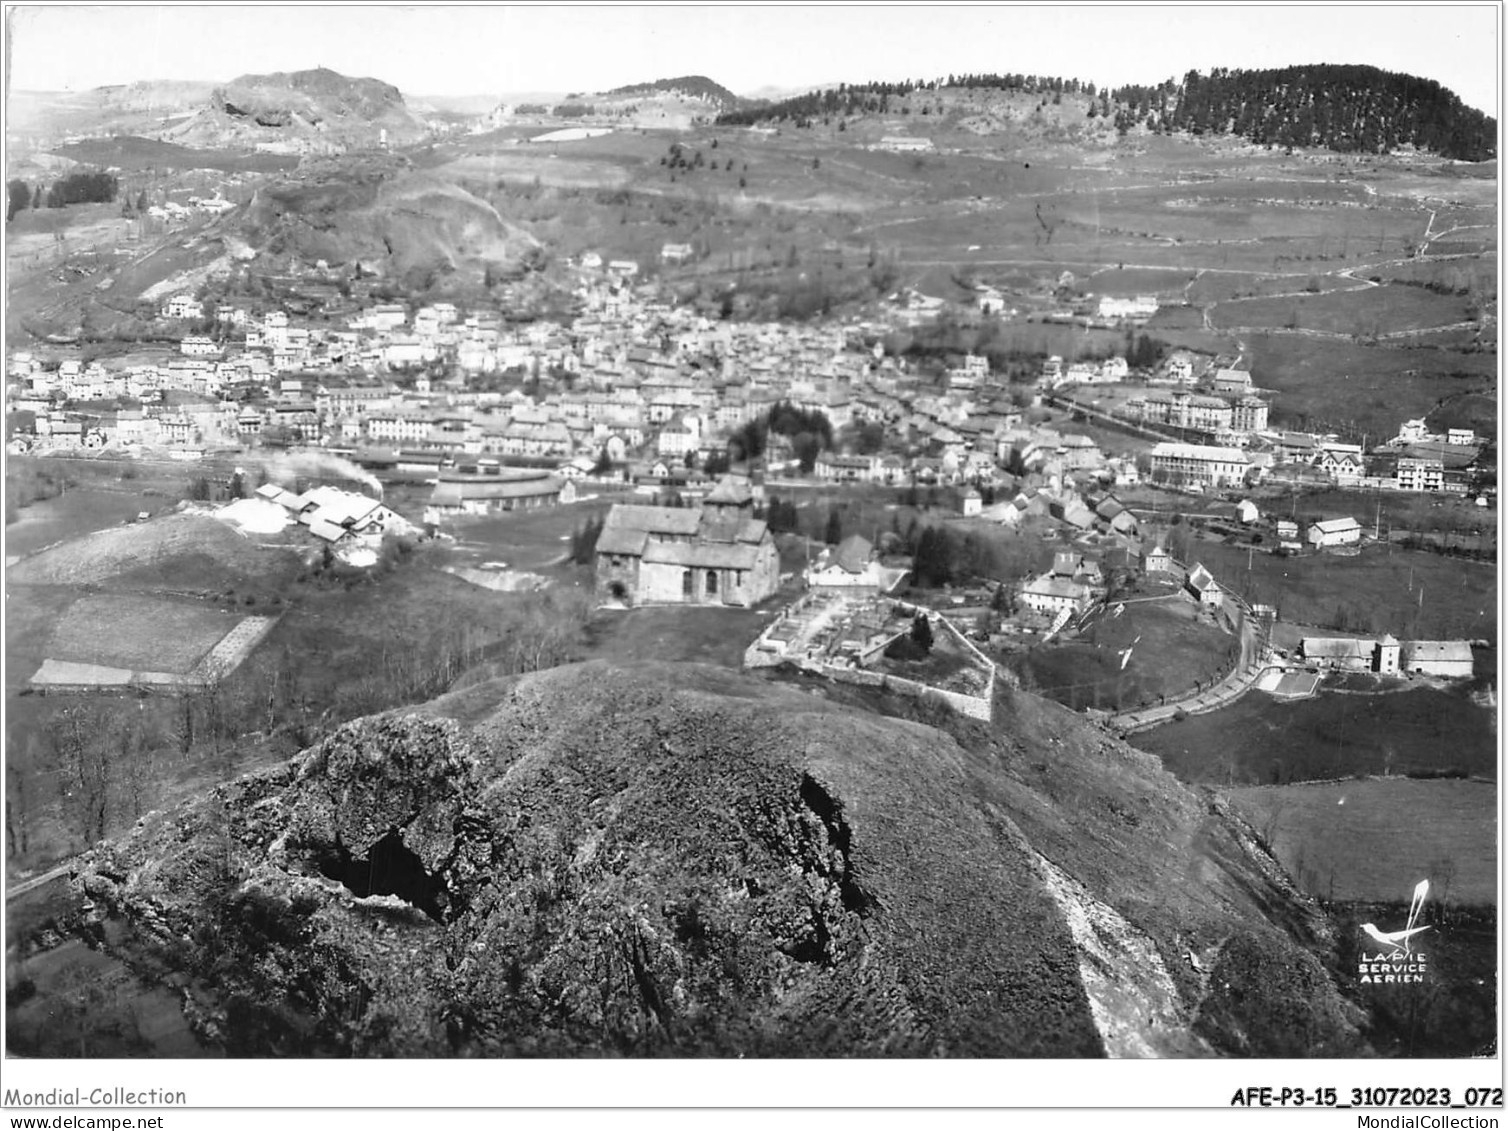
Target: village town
x,y
637,388
947,563
636,392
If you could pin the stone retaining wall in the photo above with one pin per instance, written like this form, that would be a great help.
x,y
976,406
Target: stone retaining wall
x,y
973,706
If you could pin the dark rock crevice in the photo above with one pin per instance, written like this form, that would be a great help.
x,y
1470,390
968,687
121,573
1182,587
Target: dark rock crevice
x,y
830,812
388,868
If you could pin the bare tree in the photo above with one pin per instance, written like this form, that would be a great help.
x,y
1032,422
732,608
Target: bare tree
x,y
136,754
80,740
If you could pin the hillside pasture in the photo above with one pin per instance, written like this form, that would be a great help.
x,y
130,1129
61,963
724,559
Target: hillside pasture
x,y
135,154
1370,311
174,551
1126,281
529,164
139,632
535,540
1190,213
1373,592
1474,275
53,520
1259,740
1334,384
1223,286
1061,339
1171,649
1340,842
1465,243
1289,191
1179,317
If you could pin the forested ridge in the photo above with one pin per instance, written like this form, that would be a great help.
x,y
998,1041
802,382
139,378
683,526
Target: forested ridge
x,y
695,86
1343,107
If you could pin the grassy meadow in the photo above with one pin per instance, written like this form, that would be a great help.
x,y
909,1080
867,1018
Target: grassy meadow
x,y
1262,741
1341,842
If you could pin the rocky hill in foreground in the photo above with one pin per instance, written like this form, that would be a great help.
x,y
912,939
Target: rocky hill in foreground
x,y
679,860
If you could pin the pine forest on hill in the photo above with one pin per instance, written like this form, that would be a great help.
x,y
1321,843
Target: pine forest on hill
x,y
1345,108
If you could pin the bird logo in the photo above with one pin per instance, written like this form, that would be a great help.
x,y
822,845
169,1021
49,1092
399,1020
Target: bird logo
x,y
1399,941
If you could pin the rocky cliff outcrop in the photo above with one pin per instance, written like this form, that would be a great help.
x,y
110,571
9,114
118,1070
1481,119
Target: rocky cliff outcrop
x,y
375,210
310,111
679,860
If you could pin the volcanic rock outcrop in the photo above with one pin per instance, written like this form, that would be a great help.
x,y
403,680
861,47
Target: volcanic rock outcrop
x,y
684,861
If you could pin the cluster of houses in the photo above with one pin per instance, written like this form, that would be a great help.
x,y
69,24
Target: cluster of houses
x,y
1223,438
633,380
337,518
1302,458
651,388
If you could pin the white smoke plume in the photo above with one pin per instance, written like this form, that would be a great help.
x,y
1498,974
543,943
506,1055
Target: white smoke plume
x,y
283,469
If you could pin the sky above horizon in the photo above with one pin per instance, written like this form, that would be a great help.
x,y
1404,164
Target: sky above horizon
x,y
497,50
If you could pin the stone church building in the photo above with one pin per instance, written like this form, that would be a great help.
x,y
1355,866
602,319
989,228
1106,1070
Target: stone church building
x,y
715,554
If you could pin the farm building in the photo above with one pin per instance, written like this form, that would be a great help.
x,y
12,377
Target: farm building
x,y
1117,517
1233,381
1048,594
1449,658
1203,586
1157,560
1142,306
333,515
1351,654
1334,532
1076,567
457,495
1247,512
718,554
852,566
904,144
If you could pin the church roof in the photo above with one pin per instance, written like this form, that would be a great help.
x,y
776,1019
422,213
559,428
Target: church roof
x,y
731,490
853,553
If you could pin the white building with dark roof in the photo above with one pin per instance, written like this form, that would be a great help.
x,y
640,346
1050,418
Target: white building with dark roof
x,y
1048,594
1201,463
1333,532
1449,658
